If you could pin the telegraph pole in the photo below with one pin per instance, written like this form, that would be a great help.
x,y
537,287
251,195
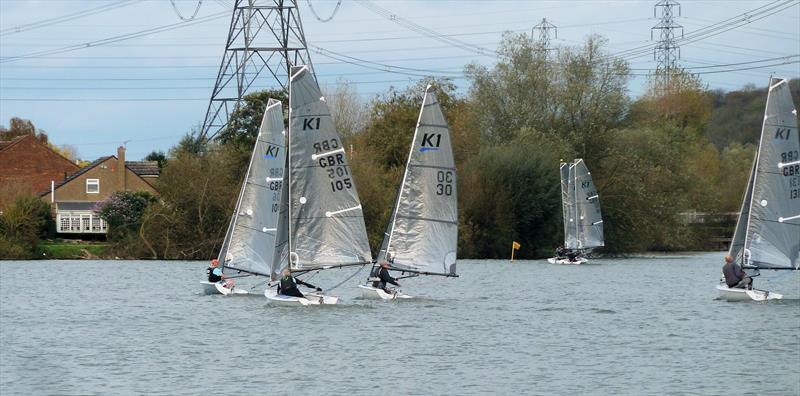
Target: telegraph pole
x,y
265,39
667,52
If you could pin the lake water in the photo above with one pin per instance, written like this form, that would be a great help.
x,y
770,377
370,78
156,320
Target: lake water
x,y
625,326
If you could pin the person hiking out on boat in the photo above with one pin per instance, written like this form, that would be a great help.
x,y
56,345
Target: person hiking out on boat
x,y
561,252
384,278
215,274
288,285
572,256
735,277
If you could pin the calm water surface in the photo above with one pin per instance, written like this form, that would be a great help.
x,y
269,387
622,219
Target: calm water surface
x,y
632,326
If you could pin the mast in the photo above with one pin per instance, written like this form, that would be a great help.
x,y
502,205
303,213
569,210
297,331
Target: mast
x,y
289,171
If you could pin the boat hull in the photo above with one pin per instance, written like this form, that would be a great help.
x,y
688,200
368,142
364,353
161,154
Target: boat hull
x,y
373,293
309,299
566,261
737,294
219,288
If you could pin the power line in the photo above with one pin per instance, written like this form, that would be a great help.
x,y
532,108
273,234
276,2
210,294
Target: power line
x,y
423,30
114,39
67,17
716,28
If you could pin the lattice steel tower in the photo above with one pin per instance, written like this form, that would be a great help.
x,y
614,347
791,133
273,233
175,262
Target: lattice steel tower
x,y
264,39
667,52
544,29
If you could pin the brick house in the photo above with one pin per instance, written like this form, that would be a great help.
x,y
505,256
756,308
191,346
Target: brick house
x,y
74,199
31,164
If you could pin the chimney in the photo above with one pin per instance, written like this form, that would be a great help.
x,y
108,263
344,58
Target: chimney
x,y
122,185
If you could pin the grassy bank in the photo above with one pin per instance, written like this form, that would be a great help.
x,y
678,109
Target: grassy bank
x,y
60,249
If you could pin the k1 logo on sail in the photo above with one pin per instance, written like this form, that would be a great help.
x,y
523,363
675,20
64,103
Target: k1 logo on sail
x,y
430,142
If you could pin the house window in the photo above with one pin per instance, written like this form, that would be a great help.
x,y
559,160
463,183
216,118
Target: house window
x,y
92,186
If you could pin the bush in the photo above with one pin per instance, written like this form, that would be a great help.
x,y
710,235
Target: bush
x,y
22,224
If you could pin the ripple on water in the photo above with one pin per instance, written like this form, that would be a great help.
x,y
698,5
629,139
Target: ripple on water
x,y
477,336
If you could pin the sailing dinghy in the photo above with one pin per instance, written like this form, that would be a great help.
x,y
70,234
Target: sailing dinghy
x,y
767,235
583,222
250,240
321,223
422,234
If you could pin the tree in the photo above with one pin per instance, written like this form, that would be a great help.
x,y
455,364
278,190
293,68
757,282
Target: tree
x,y
22,224
579,97
21,127
685,102
157,156
244,122
123,211
197,194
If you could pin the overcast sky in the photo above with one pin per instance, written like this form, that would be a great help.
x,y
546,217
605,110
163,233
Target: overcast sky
x,y
149,91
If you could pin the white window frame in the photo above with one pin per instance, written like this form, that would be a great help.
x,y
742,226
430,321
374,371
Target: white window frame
x,y
93,182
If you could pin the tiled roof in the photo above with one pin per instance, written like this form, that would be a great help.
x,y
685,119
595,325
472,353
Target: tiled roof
x,y
7,143
78,173
143,168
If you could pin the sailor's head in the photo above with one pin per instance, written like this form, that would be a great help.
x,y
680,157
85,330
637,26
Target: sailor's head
x,y
214,263
385,264
285,272
728,259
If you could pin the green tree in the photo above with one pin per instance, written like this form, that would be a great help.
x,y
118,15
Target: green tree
x,y
243,123
158,156
579,96
22,224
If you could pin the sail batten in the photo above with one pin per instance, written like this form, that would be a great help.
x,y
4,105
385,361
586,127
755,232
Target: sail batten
x,y
423,228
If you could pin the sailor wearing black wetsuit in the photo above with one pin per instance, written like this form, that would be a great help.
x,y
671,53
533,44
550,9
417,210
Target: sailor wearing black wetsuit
x,y
384,278
288,285
734,275
214,272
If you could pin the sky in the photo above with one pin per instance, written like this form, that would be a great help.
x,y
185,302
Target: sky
x,y
148,91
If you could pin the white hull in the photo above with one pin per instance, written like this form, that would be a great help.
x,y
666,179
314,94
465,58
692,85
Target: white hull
x,y
219,288
374,293
566,261
737,294
309,299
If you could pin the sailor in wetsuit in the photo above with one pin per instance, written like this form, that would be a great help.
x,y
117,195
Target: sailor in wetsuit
x,y
384,278
288,285
215,274
735,277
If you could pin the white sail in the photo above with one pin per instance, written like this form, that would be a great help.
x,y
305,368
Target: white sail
x,y
250,240
571,228
587,209
423,230
326,222
773,229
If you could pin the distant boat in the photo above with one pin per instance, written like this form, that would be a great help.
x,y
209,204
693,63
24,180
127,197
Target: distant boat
x,y
320,222
249,244
583,222
767,235
422,235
